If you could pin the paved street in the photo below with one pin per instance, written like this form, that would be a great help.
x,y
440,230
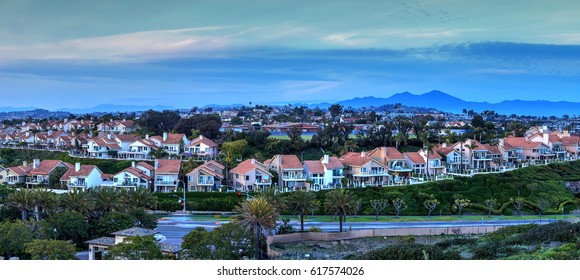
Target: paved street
x,y
174,228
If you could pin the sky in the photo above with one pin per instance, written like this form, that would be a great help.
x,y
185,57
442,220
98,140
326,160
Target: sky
x,y
183,53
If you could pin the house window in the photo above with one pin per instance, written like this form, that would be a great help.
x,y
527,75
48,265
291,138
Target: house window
x,y
237,176
247,177
190,178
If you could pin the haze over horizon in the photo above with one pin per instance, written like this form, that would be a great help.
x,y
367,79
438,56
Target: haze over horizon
x,y
79,54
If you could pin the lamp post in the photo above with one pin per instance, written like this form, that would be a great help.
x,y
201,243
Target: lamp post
x,y
184,202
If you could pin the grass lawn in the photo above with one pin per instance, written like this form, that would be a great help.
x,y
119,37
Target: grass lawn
x,y
285,137
434,218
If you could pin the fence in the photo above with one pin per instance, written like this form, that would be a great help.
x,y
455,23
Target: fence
x,y
366,233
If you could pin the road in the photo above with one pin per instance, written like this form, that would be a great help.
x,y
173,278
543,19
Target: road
x,y
174,228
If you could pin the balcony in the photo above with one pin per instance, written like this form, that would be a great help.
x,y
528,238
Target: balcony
x,y
371,173
482,157
206,182
294,177
165,183
77,184
36,181
337,174
262,182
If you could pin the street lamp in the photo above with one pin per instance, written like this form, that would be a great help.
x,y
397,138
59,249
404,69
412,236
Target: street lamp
x,y
184,202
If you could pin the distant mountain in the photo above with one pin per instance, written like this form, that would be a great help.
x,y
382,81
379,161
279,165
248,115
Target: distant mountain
x,y
116,108
448,103
16,109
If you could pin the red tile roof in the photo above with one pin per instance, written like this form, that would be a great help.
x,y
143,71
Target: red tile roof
x,y
45,167
147,165
355,159
494,150
19,170
333,163
201,139
172,138
314,166
415,157
206,169
127,137
215,163
84,171
433,155
288,161
519,142
136,172
247,166
171,166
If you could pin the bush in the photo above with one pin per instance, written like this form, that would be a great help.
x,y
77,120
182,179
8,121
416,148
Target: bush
x,y
559,232
315,229
409,252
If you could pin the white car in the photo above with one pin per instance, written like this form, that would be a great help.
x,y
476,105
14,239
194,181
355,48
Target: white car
x,y
159,237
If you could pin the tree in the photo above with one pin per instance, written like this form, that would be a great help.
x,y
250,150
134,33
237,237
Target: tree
x,y
335,110
45,200
107,199
490,203
77,200
430,204
67,225
231,150
136,248
472,146
399,204
339,202
141,197
24,200
543,204
259,216
208,125
143,219
518,204
42,249
302,202
113,221
159,153
13,236
379,205
533,187
159,122
197,244
459,204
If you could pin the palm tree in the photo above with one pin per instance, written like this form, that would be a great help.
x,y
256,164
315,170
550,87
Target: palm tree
x,y
302,201
339,202
349,146
471,146
259,216
77,200
462,139
24,200
428,151
45,200
107,199
141,197
274,198
159,153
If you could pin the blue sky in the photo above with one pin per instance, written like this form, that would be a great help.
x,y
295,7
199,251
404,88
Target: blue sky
x,y
79,54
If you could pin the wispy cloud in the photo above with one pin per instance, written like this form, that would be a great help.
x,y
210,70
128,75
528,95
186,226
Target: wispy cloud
x,y
138,46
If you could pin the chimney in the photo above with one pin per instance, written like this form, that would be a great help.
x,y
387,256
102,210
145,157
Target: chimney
x,y
279,160
253,161
132,164
109,136
156,164
201,137
27,133
147,136
566,133
36,163
25,163
325,159
362,154
164,136
444,145
546,138
77,167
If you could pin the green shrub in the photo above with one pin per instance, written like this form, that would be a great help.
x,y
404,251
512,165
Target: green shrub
x,y
409,252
